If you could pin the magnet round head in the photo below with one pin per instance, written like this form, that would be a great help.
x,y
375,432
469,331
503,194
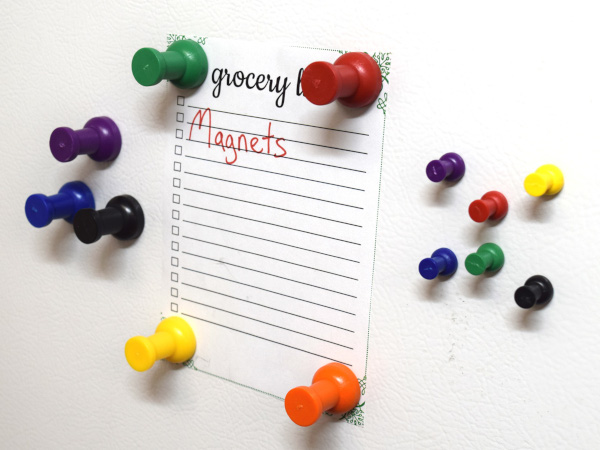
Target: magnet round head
x,y
64,144
303,406
475,264
140,353
428,269
537,290
148,66
320,83
436,171
525,297
39,210
109,138
86,225
133,215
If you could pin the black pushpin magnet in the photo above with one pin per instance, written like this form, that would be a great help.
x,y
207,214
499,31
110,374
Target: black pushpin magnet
x,y
537,291
123,218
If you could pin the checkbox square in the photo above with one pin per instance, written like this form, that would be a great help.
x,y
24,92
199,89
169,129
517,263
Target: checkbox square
x,y
180,100
176,182
177,166
174,277
175,246
179,117
175,214
174,261
174,307
174,292
178,150
179,133
175,230
176,198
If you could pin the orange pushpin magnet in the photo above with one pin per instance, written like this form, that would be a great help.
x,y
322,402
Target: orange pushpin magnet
x,y
546,180
334,389
173,340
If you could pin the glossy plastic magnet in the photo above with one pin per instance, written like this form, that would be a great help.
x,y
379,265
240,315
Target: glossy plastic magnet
x,y
334,389
536,291
123,218
546,180
41,210
492,206
442,262
450,167
184,64
354,79
99,138
488,258
173,340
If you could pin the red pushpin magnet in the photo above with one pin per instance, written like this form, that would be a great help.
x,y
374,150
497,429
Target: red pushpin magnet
x,y
354,79
492,206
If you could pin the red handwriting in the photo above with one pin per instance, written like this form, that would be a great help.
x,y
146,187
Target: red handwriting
x,y
227,141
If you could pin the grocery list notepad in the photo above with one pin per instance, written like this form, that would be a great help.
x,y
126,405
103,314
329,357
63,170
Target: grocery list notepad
x,y
273,205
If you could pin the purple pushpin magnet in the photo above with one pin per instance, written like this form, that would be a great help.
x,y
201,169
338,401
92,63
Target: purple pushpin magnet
x,y
450,167
100,139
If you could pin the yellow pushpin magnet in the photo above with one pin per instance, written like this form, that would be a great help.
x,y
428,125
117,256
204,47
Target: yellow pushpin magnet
x,y
173,340
546,180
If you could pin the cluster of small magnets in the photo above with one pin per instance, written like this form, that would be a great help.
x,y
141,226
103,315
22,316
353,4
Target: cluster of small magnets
x,y
492,206
123,217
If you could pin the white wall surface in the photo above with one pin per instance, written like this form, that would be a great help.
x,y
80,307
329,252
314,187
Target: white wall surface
x,y
451,365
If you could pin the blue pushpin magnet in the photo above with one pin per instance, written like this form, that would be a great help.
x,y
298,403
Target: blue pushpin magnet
x,y
442,262
41,209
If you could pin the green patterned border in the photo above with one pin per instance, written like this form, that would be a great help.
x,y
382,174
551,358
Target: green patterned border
x,y
190,365
172,37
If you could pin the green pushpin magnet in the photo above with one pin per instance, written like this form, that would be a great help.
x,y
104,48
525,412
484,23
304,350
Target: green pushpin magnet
x,y
488,258
184,64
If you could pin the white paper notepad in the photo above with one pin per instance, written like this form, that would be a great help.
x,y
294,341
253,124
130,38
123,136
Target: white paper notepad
x,y
273,206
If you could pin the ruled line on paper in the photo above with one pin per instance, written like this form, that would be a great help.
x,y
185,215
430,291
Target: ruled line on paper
x,y
314,144
274,190
267,307
270,240
270,274
273,207
265,323
274,173
268,290
265,339
269,223
286,158
270,257
282,121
